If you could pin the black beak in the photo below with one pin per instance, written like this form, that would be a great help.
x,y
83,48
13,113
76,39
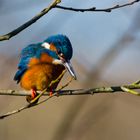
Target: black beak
x,y
70,69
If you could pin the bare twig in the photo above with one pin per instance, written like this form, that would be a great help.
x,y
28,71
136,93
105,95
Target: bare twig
x,y
113,89
24,107
54,5
30,22
94,9
33,102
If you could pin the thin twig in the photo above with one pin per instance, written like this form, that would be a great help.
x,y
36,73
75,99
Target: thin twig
x,y
94,9
33,102
54,5
24,107
30,22
130,91
112,89
52,82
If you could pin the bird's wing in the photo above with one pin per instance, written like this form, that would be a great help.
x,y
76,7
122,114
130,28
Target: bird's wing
x,y
31,51
27,53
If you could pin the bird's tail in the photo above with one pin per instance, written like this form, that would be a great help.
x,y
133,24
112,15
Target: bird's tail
x,y
19,74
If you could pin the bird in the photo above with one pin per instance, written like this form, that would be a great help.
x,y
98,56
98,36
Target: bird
x,y
43,62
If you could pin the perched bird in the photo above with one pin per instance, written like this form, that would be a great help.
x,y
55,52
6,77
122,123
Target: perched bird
x,y
43,62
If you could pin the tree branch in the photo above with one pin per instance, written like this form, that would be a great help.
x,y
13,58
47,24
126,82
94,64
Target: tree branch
x,y
30,22
54,5
25,107
113,89
94,9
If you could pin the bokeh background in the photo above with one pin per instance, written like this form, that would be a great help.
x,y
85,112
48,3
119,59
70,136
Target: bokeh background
x,y
106,52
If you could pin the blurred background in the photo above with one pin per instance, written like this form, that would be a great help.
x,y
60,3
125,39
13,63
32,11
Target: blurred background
x,y
106,52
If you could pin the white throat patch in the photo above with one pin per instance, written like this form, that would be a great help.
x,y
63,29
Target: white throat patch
x,y
46,45
57,61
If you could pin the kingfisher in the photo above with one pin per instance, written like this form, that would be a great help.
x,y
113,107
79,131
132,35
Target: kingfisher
x,y
43,62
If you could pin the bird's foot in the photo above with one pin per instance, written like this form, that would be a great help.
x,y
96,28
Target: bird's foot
x,y
51,92
33,97
33,93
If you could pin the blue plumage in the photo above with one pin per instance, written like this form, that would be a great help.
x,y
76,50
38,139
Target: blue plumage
x,y
35,51
31,51
63,43
26,54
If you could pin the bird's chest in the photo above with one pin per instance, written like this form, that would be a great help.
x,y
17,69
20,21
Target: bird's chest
x,y
40,76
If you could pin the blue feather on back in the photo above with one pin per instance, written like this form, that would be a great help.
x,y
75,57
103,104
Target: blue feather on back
x,y
31,51
27,53
35,51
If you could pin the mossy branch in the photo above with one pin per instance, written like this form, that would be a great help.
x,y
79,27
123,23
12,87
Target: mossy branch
x,y
113,89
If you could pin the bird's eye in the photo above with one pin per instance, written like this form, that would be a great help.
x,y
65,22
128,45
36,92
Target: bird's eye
x,y
61,54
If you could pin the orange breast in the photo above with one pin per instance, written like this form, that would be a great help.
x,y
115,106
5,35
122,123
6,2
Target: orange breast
x,y
40,73
39,76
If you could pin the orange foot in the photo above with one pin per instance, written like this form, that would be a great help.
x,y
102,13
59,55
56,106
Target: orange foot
x,y
51,92
33,95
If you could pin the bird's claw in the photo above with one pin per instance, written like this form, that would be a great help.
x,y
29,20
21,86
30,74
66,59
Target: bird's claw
x,y
33,97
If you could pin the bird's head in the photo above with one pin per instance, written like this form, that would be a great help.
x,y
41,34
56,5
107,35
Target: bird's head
x,y
61,45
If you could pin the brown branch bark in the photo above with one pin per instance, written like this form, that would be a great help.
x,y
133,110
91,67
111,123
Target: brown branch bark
x,y
113,89
54,5
30,22
94,9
